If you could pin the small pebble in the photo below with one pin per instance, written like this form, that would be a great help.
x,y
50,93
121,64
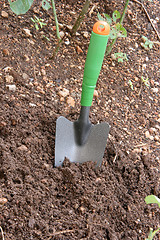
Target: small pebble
x,y
147,134
71,101
156,138
22,148
152,130
79,50
32,105
4,14
85,34
95,93
82,209
5,52
155,90
64,93
43,72
136,45
9,79
67,42
25,76
61,34
27,32
3,201
11,87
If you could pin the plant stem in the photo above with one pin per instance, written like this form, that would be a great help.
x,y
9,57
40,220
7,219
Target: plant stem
x,y
124,12
109,48
57,48
81,16
56,20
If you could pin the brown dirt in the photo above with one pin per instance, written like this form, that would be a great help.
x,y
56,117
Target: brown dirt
x,y
78,201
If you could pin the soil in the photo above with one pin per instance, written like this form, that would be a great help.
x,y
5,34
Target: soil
x,y
78,201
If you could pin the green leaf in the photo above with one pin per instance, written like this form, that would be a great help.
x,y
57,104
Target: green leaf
x,y
150,44
152,234
131,84
36,26
33,20
121,56
152,199
108,18
45,5
20,6
144,38
46,38
116,15
113,33
100,17
121,30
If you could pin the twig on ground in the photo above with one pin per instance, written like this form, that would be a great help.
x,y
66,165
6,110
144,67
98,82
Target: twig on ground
x,y
92,9
62,232
148,17
140,89
140,145
2,235
115,158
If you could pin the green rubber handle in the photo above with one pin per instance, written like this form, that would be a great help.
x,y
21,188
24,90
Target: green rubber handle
x,y
93,66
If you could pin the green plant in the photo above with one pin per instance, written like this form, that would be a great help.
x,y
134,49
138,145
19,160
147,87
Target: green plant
x,y
147,44
131,85
149,200
38,22
120,57
117,30
22,6
145,81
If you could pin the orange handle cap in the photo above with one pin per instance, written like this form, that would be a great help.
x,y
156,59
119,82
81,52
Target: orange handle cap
x,y
101,28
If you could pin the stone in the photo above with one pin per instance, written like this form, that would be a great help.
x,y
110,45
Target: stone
x,y
71,101
25,76
43,72
147,134
95,93
32,105
4,14
7,69
11,87
86,34
79,50
82,209
129,12
22,148
156,138
9,79
67,42
3,201
27,32
31,222
5,52
155,90
61,34
64,93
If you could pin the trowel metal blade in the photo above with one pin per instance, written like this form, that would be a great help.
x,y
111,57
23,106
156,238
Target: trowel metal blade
x,y
66,146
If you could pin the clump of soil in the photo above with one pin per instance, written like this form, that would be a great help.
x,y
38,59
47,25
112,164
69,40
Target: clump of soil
x,y
77,201
73,201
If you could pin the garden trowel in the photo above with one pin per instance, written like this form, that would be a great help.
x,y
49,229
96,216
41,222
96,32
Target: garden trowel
x,y
81,141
